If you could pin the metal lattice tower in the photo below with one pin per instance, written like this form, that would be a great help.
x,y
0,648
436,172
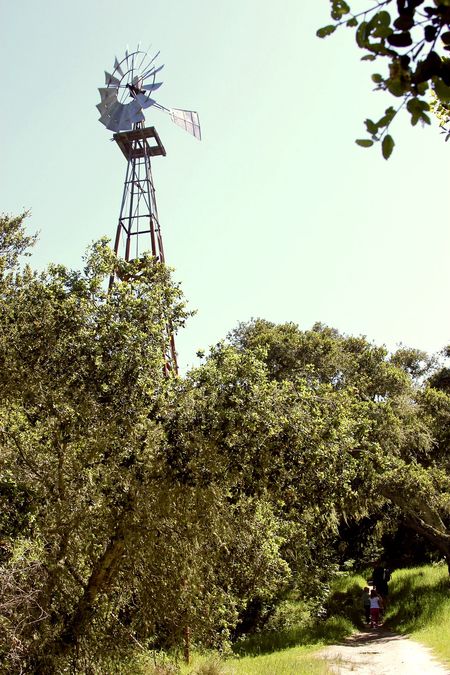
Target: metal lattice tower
x,y
138,229
126,95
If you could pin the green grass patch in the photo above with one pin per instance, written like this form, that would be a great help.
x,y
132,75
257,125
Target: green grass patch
x,y
293,661
288,651
287,645
329,631
345,600
419,605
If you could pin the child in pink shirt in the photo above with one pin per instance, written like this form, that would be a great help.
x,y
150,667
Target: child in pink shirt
x,y
376,605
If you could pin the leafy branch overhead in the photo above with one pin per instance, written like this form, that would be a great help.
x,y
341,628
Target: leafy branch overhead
x,y
415,39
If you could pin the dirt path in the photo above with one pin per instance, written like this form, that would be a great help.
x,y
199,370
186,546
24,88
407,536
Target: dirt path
x,y
382,653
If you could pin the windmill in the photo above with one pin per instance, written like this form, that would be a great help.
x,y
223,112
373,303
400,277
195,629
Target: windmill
x,y
128,91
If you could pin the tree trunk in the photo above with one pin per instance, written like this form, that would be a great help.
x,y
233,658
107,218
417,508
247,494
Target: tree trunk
x,y
100,580
423,518
440,540
186,645
101,577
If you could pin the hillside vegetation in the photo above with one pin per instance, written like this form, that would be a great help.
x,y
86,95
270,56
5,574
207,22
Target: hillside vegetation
x,y
167,514
419,608
419,604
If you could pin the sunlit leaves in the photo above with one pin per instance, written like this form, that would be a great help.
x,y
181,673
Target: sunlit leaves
x,y
14,241
414,40
442,90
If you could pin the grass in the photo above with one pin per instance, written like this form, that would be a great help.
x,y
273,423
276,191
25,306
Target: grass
x,y
330,631
274,652
282,652
346,598
420,607
293,661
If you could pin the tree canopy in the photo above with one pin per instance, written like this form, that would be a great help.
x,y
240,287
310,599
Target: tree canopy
x,y
140,509
399,448
413,38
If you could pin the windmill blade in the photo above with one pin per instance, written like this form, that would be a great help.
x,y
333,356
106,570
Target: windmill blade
x,y
110,79
137,117
117,67
131,56
151,73
151,87
149,63
105,107
136,113
187,120
134,106
144,56
128,93
116,113
153,59
144,101
125,122
132,65
108,94
107,104
105,117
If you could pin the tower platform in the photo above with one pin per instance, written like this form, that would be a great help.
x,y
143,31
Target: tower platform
x,y
135,144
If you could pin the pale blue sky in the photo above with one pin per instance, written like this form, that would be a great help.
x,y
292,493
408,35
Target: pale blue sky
x,y
276,213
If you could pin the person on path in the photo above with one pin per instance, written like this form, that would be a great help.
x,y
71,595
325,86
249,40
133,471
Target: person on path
x,y
366,603
380,579
376,605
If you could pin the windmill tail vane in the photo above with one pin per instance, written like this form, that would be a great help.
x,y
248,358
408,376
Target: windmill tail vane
x,y
129,90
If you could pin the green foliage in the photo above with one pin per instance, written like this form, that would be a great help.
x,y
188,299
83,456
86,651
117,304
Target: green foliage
x,y
414,40
82,387
345,599
418,598
387,146
327,631
156,508
326,30
393,455
14,241
292,661
420,606
157,512
339,8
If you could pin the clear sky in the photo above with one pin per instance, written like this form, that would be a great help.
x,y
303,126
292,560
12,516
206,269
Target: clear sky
x,y
276,213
